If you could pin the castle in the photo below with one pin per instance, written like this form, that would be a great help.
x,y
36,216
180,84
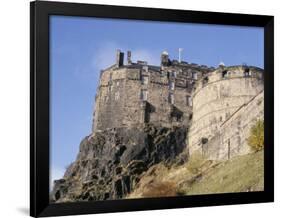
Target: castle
x,y
216,105
146,114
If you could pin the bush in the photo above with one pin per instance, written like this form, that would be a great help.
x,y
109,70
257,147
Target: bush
x,y
256,138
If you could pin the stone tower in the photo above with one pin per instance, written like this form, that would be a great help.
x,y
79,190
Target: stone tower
x,y
226,102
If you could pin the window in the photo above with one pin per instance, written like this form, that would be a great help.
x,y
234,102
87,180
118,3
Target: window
x,y
172,85
188,101
117,83
205,80
194,75
117,95
144,95
144,80
171,98
247,72
173,74
187,84
224,74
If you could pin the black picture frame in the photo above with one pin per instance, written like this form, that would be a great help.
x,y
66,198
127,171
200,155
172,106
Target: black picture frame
x,y
40,102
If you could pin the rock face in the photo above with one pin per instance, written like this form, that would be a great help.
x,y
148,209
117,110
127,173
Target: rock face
x,y
110,163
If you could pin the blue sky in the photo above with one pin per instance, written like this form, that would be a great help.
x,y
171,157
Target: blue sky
x,y
81,47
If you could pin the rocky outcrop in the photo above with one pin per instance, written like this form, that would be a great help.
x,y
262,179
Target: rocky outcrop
x,y
110,163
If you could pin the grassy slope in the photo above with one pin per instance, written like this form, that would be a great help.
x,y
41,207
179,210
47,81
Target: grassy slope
x,y
199,176
239,174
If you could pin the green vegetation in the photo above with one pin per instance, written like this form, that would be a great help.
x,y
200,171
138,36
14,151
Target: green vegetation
x,y
240,174
256,138
195,162
201,176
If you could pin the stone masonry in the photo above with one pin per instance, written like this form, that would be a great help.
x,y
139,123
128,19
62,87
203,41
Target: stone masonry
x,y
138,93
224,108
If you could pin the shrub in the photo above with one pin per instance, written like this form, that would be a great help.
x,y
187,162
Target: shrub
x,y
256,138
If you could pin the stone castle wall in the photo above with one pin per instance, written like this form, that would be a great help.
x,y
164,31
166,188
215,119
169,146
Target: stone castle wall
x,y
138,93
217,98
231,140
119,100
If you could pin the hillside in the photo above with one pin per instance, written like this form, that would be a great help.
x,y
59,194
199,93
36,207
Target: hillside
x,y
199,176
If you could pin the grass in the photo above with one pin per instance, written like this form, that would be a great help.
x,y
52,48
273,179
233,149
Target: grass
x,y
200,176
240,174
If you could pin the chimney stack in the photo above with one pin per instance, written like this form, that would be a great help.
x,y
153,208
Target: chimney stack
x,y
119,58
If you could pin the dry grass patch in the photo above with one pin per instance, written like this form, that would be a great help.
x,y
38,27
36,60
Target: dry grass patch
x,y
160,189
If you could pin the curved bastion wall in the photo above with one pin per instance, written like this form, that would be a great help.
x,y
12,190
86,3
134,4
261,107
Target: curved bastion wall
x,y
217,97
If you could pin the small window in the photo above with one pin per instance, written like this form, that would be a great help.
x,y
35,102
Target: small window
x,y
173,74
224,74
171,98
188,101
144,95
172,85
144,80
194,75
247,72
204,141
117,95
205,80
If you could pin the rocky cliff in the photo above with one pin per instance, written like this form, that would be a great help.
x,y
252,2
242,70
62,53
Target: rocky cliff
x,y
111,163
